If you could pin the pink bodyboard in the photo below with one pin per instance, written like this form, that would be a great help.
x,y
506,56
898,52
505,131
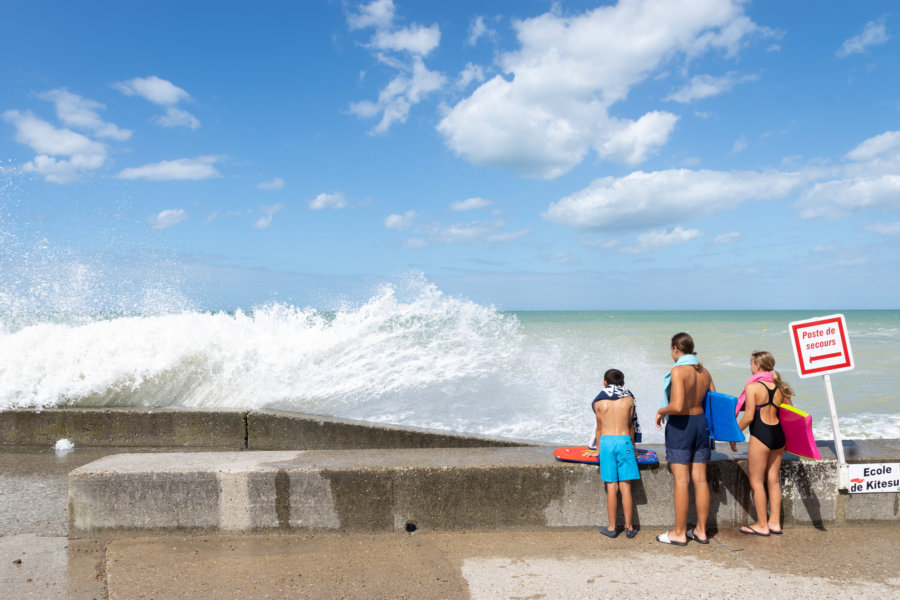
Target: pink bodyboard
x,y
797,426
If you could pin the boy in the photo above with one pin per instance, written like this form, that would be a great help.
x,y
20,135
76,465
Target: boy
x,y
614,409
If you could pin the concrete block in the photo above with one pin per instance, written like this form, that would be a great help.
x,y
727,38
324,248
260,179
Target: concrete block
x,y
126,427
282,430
881,506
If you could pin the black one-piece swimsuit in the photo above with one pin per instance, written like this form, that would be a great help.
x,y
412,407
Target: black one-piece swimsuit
x,y
770,435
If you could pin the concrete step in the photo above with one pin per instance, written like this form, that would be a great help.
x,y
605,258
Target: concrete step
x,y
408,490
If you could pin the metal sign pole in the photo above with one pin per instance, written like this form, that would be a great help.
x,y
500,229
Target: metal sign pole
x,y
843,476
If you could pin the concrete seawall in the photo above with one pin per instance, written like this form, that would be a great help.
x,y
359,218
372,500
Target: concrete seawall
x,y
283,472
220,429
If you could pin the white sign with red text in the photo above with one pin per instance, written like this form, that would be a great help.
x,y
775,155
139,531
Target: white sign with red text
x,y
821,345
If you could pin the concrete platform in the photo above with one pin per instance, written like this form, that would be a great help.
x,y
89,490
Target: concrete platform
x,y
481,489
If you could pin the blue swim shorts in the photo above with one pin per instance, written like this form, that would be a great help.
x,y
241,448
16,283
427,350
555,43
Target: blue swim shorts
x,y
687,439
618,462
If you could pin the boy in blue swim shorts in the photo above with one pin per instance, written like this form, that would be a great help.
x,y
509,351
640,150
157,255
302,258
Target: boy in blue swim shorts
x,y
614,410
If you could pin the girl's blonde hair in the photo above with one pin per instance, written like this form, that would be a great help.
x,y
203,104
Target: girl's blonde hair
x,y
765,361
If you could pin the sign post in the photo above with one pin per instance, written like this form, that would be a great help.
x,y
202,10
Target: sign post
x,y
822,347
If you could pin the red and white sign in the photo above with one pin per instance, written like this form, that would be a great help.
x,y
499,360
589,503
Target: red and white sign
x,y
821,345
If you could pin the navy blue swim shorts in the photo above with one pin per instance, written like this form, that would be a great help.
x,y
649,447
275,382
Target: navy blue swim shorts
x,y
687,439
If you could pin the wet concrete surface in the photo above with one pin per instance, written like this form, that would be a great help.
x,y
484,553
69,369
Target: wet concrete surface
x,y
38,561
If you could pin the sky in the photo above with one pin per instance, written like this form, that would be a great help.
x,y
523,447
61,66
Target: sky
x,y
531,155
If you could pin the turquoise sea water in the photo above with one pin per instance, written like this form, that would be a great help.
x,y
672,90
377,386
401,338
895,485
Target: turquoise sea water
x,y
426,360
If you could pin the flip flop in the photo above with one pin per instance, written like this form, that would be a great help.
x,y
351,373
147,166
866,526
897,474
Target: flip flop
x,y
753,532
608,533
773,532
691,536
630,533
663,538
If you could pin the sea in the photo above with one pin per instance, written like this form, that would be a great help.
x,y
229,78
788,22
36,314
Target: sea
x,y
417,356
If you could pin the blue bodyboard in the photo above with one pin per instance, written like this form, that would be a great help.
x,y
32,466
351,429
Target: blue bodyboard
x,y
720,411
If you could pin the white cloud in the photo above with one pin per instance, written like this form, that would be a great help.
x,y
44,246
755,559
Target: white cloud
x,y
154,89
325,201
167,218
471,73
562,258
840,197
479,231
727,238
636,140
874,34
164,93
416,39
197,168
399,96
884,228
403,50
656,198
266,221
80,152
401,222
870,181
477,30
553,105
379,14
704,86
176,117
274,184
212,217
654,240
81,113
876,146
470,204
739,146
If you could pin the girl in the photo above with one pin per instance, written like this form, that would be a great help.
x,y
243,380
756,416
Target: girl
x,y
764,393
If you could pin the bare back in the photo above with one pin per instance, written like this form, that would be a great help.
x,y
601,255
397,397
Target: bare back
x,y
689,387
614,417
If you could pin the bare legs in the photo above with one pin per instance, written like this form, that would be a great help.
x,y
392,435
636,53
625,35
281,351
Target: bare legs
x,y
763,466
701,498
683,475
612,500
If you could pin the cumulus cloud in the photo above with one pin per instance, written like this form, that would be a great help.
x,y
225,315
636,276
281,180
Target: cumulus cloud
x,y
884,228
634,141
470,204
176,117
167,218
82,113
325,201
471,73
401,49
704,86
266,221
197,168
401,222
163,93
75,151
840,197
552,105
871,180
654,240
873,34
378,14
727,238
274,184
477,30
656,198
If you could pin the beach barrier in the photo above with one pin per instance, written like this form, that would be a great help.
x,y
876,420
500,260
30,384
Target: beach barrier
x,y
321,473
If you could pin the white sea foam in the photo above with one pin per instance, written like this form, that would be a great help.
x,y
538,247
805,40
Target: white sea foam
x,y
408,355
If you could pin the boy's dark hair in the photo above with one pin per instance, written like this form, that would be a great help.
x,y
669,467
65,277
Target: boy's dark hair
x,y
614,377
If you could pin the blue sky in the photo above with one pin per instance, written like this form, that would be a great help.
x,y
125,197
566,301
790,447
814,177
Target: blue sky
x,y
525,154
